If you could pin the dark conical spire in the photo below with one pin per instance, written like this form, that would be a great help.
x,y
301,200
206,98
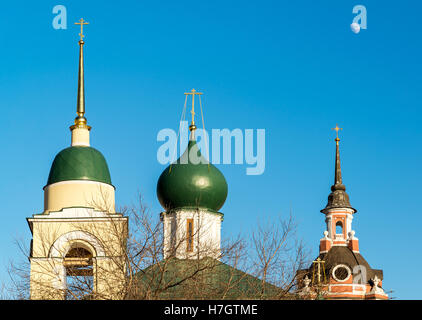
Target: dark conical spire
x,y
337,174
338,197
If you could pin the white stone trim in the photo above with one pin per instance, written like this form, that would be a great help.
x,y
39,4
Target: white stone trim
x,y
84,144
354,291
62,244
357,294
339,210
333,272
77,181
347,284
79,212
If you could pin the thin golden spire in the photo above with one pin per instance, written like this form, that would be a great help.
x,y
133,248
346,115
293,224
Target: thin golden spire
x,y
80,120
193,92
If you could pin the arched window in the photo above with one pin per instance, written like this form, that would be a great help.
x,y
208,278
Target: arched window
x,y
339,228
79,273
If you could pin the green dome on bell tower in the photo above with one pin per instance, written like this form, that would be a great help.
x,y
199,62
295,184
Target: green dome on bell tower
x,y
79,175
79,163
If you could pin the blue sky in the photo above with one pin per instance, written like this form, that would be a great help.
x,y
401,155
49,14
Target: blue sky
x,y
293,68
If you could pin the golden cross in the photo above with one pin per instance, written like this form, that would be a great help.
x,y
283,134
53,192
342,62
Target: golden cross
x,y
193,93
318,262
337,129
82,22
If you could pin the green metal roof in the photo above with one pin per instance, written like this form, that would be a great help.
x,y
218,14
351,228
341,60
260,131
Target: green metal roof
x,y
205,278
79,163
189,184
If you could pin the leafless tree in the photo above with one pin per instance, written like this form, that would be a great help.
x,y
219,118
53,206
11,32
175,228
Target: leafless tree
x,y
277,254
262,267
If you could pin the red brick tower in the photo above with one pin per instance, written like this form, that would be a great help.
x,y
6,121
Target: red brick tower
x,y
340,271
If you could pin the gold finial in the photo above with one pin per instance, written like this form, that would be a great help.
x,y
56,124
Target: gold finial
x,y
81,23
337,130
193,93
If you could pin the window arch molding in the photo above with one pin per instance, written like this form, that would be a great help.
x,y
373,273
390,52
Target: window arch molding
x,y
344,270
68,240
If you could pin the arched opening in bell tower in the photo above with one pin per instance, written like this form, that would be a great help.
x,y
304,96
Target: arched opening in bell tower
x,y
339,228
79,268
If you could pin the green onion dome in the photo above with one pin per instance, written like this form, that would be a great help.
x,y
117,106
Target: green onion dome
x,y
79,163
192,182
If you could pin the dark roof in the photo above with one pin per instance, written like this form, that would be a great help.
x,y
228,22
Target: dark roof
x,y
343,255
202,279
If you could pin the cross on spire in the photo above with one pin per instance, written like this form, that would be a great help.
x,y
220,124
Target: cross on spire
x,y
319,262
337,129
193,93
82,22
